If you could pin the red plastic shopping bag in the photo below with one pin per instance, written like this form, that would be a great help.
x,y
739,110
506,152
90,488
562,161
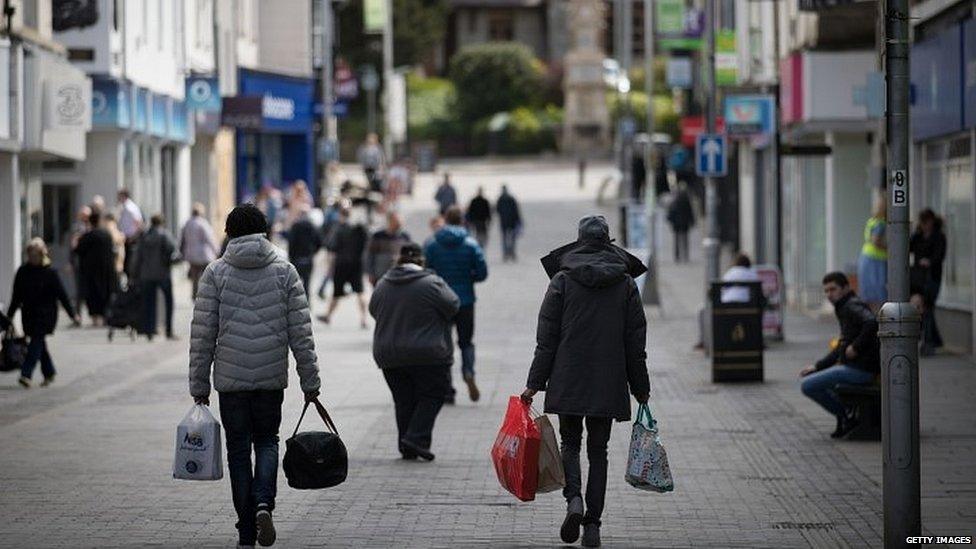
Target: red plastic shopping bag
x,y
516,451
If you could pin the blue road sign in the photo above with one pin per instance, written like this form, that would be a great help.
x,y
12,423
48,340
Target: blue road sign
x,y
711,159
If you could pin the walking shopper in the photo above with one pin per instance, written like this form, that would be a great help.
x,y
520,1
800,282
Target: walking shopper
x,y
384,246
197,245
37,292
872,264
510,219
458,259
854,361
590,349
928,247
131,225
304,241
371,157
78,229
96,260
413,309
347,245
445,196
681,216
156,256
478,217
254,300
110,224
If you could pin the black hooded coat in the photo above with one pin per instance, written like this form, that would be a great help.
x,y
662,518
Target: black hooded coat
x,y
590,342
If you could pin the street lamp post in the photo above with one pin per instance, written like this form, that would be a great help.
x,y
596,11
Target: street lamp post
x,y
900,321
710,245
650,295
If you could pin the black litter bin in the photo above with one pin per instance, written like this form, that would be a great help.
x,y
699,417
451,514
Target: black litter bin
x,y
737,335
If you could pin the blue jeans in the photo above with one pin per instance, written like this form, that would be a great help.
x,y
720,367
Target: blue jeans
x,y
149,295
251,418
37,350
820,385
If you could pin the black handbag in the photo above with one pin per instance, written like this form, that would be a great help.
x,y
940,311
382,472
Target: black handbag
x,y
13,351
315,459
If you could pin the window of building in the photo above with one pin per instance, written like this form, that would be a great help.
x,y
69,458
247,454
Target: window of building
x,y
949,190
501,26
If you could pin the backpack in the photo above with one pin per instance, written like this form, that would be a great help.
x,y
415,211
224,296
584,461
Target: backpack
x,y
315,459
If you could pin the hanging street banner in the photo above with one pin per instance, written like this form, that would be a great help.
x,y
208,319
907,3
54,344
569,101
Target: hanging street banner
x,y
670,16
726,59
374,16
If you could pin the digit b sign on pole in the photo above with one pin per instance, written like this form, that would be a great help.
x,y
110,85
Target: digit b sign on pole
x,y
711,159
899,189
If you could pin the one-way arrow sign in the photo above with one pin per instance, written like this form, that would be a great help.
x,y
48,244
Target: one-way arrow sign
x,y
710,155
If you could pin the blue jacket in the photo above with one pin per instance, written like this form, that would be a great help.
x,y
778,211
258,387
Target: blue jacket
x,y
458,259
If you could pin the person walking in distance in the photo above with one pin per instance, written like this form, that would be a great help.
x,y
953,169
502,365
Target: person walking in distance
x,y
872,264
131,224
478,217
856,359
446,195
197,244
78,230
36,293
928,247
156,256
304,241
413,309
384,246
373,161
347,245
590,349
253,299
460,261
510,220
96,260
681,216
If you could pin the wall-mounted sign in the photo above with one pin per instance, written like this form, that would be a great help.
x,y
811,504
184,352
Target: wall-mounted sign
x,y
679,72
203,93
242,112
67,105
111,106
374,16
726,59
749,115
670,16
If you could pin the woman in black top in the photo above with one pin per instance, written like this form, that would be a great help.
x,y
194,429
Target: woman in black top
x,y
37,291
928,247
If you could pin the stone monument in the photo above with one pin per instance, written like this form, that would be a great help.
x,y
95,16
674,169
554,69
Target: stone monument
x,y
586,124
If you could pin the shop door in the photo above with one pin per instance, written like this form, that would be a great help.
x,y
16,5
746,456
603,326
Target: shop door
x,y
167,171
58,203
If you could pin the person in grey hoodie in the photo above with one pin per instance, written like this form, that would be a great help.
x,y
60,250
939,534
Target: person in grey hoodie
x,y
155,256
250,309
413,309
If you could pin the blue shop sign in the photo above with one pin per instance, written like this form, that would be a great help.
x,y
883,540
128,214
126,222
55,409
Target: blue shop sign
x,y
937,81
286,102
140,97
749,115
203,93
179,122
111,104
160,114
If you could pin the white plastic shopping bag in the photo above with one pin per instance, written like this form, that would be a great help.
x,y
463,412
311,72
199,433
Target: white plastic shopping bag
x,y
198,448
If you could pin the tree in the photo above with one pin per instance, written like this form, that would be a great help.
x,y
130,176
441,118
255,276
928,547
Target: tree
x,y
495,77
418,26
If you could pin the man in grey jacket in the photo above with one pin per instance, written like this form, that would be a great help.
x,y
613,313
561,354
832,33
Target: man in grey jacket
x,y
413,308
155,256
250,309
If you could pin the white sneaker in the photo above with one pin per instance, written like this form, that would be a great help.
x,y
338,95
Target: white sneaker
x,y
25,382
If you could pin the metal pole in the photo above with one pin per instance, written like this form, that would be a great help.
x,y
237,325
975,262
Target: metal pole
x,y
650,295
900,321
387,79
777,140
328,77
710,245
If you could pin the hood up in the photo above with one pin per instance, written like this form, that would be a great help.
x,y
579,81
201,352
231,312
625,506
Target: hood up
x,y
250,252
593,257
405,274
451,236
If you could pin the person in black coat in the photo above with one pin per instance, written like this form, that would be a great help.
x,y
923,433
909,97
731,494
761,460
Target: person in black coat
x,y
681,216
413,309
478,217
37,291
304,241
590,350
855,360
96,261
348,244
510,220
928,247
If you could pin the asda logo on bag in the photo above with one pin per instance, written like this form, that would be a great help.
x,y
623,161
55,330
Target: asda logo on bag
x,y
193,439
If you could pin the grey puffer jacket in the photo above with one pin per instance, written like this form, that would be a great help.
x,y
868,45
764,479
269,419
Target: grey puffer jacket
x,y
250,308
413,308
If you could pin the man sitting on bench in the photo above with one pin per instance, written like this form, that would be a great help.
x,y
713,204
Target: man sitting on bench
x,y
854,361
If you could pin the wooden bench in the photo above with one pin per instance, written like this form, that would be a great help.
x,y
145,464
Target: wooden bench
x,y
865,401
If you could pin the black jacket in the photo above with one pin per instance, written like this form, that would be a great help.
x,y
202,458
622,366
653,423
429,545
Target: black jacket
x,y
932,248
304,241
508,211
681,215
479,211
591,336
413,308
348,242
37,291
858,327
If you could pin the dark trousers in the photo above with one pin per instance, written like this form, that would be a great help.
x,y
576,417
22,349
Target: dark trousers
x,y
464,324
149,288
251,418
681,246
304,267
481,233
418,394
509,237
37,351
195,272
597,437
931,337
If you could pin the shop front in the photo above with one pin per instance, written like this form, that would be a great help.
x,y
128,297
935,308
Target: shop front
x,y
273,116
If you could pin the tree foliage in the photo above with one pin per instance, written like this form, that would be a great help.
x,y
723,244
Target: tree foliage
x,y
418,27
495,77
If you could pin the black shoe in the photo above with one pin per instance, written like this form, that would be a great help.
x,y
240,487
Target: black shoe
x,y
449,400
844,426
266,529
839,429
570,530
473,393
423,453
591,535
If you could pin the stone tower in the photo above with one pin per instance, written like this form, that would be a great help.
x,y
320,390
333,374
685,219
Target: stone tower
x,y
586,125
